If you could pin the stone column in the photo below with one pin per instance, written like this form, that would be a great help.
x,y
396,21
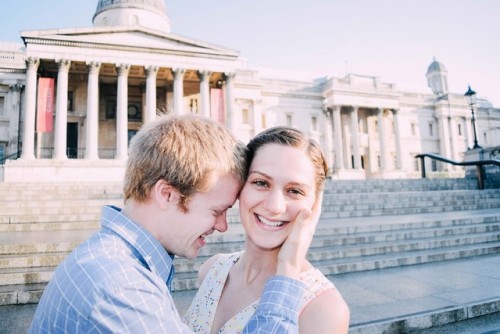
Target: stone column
x,y
150,113
397,135
327,115
15,102
121,112
28,151
382,139
337,132
204,77
444,144
231,117
179,90
355,137
257,116
60,142
92,126
453,138
469,133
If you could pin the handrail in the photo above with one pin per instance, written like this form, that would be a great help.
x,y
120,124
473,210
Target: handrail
x,y
17,154
478,163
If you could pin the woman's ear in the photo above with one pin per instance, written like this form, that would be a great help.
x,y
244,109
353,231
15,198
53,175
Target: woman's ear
x,y
165,194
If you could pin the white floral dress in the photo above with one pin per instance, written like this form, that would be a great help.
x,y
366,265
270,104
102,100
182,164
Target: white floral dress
x,y
200,314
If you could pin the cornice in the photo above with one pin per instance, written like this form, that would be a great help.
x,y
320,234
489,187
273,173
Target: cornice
x,y
13,70
126,48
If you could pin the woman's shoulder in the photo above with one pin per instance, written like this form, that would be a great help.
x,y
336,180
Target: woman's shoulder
x,y
315,282
220,259
323,305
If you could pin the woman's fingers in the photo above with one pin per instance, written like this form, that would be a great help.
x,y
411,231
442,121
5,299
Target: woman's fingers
x,y
294,250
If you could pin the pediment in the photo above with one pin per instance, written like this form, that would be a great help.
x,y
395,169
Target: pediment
x,y
127,37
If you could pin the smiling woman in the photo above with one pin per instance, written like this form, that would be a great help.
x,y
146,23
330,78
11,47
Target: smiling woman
x,y
274,195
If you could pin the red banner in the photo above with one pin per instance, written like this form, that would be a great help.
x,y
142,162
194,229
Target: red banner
x,y
217,105
45,105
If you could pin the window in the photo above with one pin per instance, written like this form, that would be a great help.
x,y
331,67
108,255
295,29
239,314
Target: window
x,y
193,106
70,101
2,150
2,105
459,129
416,163
413,129
314,123
245,117
431,130
289,120
434,167
130,134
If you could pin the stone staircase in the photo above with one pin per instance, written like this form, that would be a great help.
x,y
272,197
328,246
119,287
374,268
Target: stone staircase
x,y
365,225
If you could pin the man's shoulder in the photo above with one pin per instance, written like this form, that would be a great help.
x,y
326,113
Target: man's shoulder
x,y
98,259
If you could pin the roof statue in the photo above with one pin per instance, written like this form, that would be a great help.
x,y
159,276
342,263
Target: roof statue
x,y
436,66
150,14
437,78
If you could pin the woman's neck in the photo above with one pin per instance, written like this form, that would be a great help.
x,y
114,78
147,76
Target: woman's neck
x,y
257,264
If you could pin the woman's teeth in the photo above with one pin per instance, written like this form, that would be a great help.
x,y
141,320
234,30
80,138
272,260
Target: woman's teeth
x,y
270,223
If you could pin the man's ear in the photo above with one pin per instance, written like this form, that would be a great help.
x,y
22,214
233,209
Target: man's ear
x,y
165,194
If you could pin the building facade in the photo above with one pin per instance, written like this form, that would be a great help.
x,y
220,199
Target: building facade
x,y
109,79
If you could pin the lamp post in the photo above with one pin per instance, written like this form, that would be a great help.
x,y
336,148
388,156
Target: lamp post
x,y
470,95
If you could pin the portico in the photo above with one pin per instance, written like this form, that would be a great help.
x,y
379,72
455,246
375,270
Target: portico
x,y
366,134
119,98
109,80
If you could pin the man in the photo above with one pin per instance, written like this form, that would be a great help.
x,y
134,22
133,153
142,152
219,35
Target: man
x,y
182,175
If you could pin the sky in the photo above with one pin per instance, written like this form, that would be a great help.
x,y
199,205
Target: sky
x,y
395,40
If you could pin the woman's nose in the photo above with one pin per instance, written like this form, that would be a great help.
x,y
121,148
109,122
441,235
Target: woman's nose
x,y
275,203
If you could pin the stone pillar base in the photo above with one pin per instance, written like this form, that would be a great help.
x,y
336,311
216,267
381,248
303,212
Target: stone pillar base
x,y
349,174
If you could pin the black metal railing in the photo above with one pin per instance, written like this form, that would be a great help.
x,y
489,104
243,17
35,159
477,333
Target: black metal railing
x,y
478,163
12,156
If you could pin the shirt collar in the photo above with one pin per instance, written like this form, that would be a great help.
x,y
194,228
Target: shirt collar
x,y
148,247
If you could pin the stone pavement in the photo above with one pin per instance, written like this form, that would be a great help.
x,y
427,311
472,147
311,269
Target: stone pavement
x,y
395,300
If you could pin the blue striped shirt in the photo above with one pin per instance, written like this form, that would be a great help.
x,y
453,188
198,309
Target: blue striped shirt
x,y
118,282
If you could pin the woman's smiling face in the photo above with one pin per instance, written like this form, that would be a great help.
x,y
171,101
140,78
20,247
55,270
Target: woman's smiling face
x,y
280,183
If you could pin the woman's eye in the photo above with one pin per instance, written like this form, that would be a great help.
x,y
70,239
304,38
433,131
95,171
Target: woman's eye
x,y
260,183
296,191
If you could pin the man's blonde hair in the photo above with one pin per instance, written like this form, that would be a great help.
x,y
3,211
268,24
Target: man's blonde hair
x,y
187,151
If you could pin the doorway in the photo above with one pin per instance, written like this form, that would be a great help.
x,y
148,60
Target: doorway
x,y
72,140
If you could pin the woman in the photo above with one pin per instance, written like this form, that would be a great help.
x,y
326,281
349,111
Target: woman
x,y
286,175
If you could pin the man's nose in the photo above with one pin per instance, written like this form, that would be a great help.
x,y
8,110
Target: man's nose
x,y
221,223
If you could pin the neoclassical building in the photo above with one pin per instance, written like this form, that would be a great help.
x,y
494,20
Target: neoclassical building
x,y
71,99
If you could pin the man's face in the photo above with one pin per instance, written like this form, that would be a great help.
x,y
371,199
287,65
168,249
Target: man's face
x,y
206,213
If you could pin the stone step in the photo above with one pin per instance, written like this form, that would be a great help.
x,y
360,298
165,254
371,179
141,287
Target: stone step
x,y
365,263
364,226
365,186
60,203
67,225
36,191
12,267
188,280
394,228
29,287
61,207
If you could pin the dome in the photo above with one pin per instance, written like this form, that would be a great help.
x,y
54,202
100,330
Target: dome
x,y
150,14
436,66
